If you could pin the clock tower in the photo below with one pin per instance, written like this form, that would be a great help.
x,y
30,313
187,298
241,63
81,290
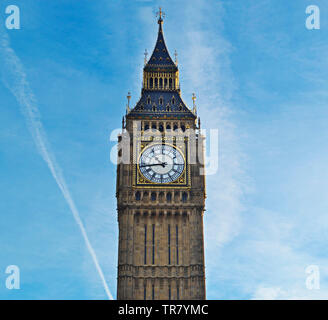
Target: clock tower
x,y
160,189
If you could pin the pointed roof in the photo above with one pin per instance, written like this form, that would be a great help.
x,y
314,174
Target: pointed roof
x,y
160,56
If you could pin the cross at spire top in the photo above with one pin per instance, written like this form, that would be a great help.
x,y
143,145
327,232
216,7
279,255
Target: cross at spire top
x,y
160,14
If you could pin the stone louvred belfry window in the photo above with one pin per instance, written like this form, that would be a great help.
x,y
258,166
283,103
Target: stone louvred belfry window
x,y
184,197
169,243
177,243
145,248
153,244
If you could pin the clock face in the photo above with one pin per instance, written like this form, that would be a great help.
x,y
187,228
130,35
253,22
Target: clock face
x,y
161,163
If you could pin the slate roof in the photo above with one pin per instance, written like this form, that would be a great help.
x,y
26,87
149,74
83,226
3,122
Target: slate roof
x,y
160,56
160,103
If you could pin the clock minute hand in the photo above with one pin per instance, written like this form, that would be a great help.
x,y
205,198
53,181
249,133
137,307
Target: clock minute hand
x,y
163,164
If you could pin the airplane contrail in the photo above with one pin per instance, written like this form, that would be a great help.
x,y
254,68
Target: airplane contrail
x,y
15,80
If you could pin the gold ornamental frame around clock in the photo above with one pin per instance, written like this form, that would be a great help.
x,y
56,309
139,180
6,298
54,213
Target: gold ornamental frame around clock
x,y
139,181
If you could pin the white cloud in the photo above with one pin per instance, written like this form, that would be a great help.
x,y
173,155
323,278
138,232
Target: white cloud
x,y
277,293
263,293
206,70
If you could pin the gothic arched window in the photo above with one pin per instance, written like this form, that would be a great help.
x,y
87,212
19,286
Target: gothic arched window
x,y
153,196
138,196
184,197
169,197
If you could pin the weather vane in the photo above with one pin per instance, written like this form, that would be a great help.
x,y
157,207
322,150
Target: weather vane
x,y
160,14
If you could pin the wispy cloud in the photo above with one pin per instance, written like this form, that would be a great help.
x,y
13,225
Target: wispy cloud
x,y
15,79
206,71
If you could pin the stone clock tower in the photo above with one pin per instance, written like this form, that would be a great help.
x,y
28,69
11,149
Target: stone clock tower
x,y
160,189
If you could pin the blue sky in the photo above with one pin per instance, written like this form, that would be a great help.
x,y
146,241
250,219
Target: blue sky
x,y
260,77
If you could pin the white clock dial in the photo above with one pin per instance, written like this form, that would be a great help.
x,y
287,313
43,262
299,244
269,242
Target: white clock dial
x,y
161,163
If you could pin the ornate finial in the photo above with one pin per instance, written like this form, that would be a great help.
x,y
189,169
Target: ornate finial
x,y
128,105
146,54
193,103
160,14
129,97
176,56
193,98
